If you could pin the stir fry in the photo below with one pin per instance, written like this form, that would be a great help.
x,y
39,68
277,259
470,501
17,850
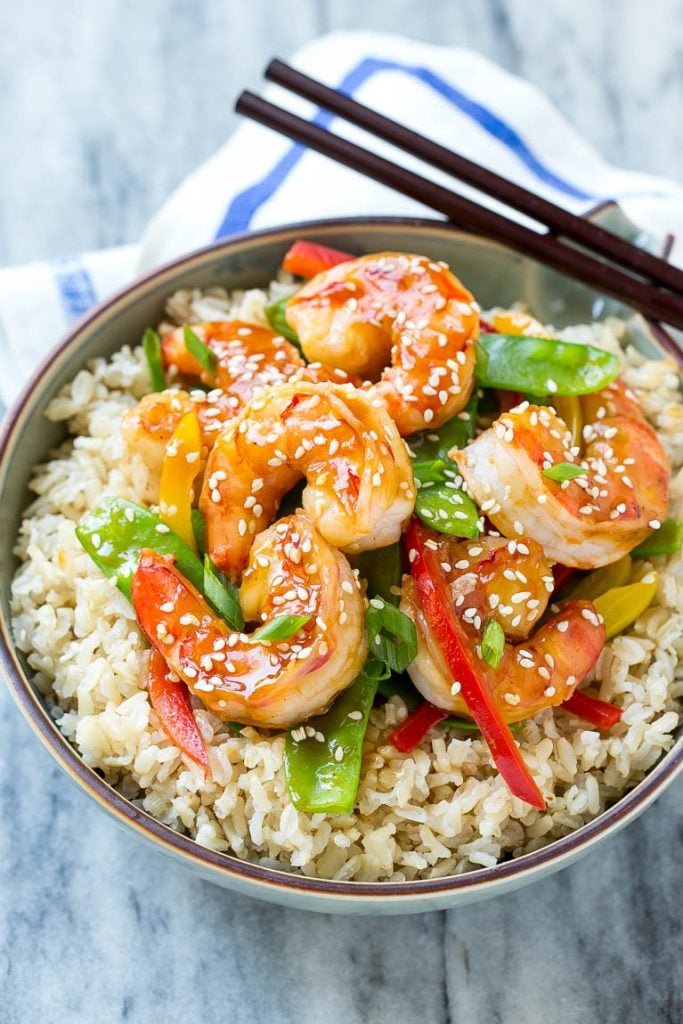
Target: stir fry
x,y
382,493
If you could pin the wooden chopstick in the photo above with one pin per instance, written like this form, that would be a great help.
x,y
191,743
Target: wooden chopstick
x,y
556,219
647,298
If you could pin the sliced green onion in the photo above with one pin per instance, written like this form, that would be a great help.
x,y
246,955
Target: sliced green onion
x,y
392,636
564,471
279,628
276,313
200,350
493,643
448,509
666,540
381,570
234,728
199,530
151,345
466,724
223,595
542,366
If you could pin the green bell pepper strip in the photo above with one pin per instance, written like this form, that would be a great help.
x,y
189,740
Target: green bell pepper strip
x,y
323,770
542,366
115,532
276,314
665,541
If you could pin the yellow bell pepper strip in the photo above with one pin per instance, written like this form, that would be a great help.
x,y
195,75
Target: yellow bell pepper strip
x,y
514,321
621,606
178,472
445,625
306,259
170,699
664,541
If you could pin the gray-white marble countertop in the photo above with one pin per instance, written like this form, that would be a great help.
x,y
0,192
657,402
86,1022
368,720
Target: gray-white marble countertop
x,y
105,106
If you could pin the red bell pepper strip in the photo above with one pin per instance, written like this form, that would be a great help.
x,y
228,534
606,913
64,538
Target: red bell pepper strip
x,y
306,259
508,400
416,726
597,712
562,574
448,632
171,701
485,327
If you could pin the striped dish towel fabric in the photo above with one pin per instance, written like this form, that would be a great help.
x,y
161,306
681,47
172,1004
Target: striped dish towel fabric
x,y
258,179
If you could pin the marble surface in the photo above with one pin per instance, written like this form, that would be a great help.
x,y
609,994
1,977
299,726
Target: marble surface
x,y
94,926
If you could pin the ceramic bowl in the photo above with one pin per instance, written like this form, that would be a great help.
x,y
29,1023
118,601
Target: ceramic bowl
x,y
496,276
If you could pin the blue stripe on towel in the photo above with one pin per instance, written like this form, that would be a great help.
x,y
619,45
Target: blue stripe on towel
x,y
76,289
245,205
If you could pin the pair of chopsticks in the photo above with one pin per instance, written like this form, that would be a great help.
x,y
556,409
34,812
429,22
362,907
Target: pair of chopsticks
x,y
604,260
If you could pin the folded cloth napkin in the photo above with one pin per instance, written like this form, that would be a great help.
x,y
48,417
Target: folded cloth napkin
x,y
260,179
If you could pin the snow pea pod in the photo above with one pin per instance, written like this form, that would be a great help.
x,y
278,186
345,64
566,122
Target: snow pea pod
x,y
665,541
115,532
323,757
428,445
439,502
542,366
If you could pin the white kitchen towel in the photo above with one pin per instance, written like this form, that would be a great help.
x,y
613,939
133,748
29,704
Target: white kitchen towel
x,y
260,179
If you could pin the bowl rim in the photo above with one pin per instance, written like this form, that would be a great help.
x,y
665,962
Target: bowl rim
x,y
225,865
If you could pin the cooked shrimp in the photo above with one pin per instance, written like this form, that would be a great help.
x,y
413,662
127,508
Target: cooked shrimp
x,y
490,578
360,489
248,356
399,308
148,426
587,522
291,571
